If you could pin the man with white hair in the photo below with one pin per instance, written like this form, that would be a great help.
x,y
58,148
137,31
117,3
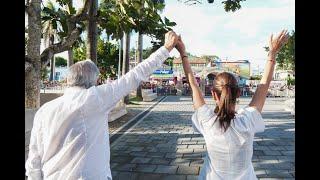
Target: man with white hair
x,y
70,137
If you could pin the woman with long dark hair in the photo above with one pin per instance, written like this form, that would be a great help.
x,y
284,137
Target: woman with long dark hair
x,y
229,134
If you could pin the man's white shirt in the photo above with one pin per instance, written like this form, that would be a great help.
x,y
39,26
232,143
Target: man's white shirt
x,y
70,136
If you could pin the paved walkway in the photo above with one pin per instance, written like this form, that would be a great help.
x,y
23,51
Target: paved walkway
x,y
164,145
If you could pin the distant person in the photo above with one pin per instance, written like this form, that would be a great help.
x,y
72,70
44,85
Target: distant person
x,y
70,137
229,134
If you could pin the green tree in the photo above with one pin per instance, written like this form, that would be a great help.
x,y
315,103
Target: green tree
x,y
79,53
92,32
107,57
256,77
50,31
60,61
290,81
147,52
169,62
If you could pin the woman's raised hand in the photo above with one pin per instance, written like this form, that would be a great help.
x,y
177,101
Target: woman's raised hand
x,y
275,44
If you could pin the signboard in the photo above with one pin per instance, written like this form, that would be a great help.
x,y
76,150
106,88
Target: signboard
x,y
163,72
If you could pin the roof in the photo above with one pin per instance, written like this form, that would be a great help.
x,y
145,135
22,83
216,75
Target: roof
x,y
235,61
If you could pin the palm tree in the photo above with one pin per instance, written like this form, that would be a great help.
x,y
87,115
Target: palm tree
x,y
140,45
126,57
50,33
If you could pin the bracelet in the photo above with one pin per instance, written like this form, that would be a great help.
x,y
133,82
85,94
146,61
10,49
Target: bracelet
x,y
273,61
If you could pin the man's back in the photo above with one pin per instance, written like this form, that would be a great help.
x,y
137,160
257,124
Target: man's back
x,y
72,129
69,138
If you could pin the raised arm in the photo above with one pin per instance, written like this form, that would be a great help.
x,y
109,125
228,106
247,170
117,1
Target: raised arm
x,y
198,100
116,90
260,94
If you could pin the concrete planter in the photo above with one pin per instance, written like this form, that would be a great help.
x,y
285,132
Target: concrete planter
x,y
290,106
119,111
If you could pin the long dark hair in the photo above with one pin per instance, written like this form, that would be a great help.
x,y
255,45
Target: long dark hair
x,y
226,87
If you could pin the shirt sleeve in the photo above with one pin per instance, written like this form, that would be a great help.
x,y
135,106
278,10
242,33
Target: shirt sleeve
x,y
33,163
252,120
111,93
202,117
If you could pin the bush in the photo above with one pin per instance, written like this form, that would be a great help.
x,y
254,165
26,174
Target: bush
x,y
257,77
290,81
60,61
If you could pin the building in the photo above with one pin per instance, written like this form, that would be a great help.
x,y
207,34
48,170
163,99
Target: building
x,y
60,73
196,63
281,75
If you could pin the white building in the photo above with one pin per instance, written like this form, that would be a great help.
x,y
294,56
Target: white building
x,y
283,74
60,73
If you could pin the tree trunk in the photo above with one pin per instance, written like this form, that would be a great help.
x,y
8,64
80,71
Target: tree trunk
x,y
70,58
32,77
71,26
52,61
139,60
125,65
120,57
92,30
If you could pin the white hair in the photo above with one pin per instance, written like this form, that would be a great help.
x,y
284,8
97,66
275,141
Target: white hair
x,y
83,73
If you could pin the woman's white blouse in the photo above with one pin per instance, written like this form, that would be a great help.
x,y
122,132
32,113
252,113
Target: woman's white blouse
x,y
229,153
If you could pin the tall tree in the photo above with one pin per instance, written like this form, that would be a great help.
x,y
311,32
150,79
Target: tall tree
x,y
125,64
139,60
32,76
33,59
67,42
107,58
50,33
114,17
92,31
142,16
70,25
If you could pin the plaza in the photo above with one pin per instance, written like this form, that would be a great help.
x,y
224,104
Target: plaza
x,y
147,59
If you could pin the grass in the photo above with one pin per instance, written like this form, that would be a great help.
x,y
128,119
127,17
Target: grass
x,y
134,100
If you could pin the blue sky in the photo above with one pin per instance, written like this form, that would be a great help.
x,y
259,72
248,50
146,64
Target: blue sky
x,y
208,30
